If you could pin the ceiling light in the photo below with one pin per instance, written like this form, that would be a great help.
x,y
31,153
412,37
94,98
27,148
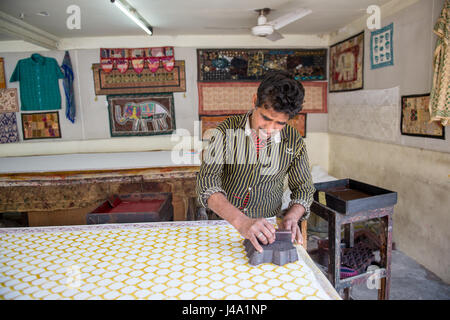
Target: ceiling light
x,y
131,13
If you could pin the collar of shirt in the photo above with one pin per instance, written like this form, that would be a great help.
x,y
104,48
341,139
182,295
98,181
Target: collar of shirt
x,y
37,58
248,130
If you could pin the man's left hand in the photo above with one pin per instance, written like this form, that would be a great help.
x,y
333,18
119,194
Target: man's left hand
x,y
290,222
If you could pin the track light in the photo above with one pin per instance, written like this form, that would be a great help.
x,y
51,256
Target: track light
x,y
131,13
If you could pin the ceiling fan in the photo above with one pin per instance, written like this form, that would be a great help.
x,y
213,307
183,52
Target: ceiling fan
x,y
268,29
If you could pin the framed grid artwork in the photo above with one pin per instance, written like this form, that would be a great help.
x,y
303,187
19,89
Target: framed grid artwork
x,y
42,125
382,47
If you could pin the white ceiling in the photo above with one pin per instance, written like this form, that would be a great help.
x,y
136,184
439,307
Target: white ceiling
x,y
181,17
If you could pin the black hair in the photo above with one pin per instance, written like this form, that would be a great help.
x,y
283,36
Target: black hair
x,y
281,92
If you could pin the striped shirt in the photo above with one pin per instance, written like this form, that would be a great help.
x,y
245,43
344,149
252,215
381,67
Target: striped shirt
x,y
251,181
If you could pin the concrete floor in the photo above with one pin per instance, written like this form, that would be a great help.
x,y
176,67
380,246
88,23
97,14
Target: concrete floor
x,y
409,281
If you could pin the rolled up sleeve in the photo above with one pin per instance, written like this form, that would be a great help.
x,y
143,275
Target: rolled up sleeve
x,y
209,178
300,181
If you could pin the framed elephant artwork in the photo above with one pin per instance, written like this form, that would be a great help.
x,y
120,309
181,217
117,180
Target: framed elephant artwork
x,y
347,64
141,114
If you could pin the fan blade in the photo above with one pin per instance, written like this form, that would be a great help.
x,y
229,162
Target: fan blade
x,y
228,28
289,18
274,36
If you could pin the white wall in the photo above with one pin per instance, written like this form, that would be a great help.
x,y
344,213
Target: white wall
x,y
416,168
412,72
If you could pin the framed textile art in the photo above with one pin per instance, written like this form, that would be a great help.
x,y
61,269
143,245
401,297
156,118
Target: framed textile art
x,y
141,115
299,123
2,74
316,94
42,125
211,122
217,98
382,47
253,64
415,118
9,101
347,64
130,82
8,128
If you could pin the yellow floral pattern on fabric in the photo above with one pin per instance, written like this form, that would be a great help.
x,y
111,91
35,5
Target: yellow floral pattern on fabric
x,y
190,262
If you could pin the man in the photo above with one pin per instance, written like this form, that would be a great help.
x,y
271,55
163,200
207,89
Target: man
x,y
241,177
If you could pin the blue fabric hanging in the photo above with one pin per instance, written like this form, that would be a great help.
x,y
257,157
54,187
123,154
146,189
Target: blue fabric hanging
x,y
68,87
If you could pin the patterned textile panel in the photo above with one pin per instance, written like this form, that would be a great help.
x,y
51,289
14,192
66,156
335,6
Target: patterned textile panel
x,y
174,260
9,101
219,98
8,128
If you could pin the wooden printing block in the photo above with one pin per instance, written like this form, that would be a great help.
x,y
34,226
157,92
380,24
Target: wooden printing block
x,y
280,252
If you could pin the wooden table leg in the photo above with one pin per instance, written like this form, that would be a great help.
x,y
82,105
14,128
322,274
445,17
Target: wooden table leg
x,y
334,247
179,201
385,257
347,293
349,238
349,235
304,229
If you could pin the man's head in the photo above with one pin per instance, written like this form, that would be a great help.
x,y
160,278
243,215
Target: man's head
x,y
279,98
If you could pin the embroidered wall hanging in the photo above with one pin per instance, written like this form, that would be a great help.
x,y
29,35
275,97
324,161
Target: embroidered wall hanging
x,y
217,98
382,47
253,64
316,94
121,59
8,128
347,64
211,122
415,119
299,123
440,91
42,125
130,82
2,74
9,101
141,115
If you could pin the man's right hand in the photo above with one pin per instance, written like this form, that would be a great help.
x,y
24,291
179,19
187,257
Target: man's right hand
x,y
254,230
251,229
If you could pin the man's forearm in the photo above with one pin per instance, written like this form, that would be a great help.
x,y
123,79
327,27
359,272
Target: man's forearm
x,y
218,203
297,211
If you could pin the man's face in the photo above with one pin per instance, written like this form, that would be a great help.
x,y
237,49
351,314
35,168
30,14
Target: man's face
x,y
267,121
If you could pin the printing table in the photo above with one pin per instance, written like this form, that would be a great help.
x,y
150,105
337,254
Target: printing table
x,y
163,260
54,198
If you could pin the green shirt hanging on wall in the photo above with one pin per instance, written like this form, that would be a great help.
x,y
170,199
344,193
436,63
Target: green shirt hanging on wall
x,y
39,88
